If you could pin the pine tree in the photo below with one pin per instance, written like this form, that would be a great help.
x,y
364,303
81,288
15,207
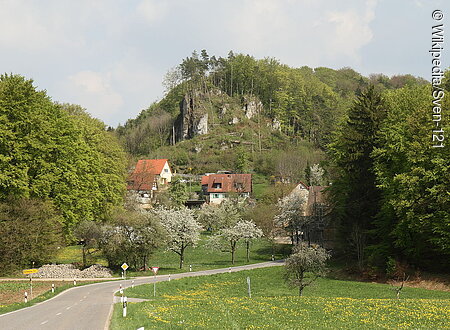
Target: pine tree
x,y
354,194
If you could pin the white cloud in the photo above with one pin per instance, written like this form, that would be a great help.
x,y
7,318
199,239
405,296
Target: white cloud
x,y
152,10
258,23
350,30
303,32
24,26
93,91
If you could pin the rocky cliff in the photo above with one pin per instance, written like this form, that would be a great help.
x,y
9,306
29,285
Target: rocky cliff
x,y
198,110
192,120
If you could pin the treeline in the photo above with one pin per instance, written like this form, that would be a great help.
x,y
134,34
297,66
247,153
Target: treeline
x,y
391,195
55,159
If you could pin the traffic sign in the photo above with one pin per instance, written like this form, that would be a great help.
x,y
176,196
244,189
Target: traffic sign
x,y
124,266
155,270
30,271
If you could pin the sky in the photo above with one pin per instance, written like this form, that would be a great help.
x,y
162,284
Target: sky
x,y
110,56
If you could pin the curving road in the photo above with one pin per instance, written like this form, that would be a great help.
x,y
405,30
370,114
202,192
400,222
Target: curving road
x,y
89,306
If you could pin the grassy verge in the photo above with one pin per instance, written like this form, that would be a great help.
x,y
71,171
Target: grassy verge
x,y
220,301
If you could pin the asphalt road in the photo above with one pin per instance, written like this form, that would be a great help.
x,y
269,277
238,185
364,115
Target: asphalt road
x,y
89,306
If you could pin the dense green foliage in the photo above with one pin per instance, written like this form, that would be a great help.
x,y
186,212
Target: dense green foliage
x,y
57,152
30,230
414,219
391,196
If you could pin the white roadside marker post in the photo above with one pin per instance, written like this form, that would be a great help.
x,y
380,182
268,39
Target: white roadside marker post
x,y
190,268
124,304
169,277
26,297
132,284
53,288
31,286
249,287
74,282
229,270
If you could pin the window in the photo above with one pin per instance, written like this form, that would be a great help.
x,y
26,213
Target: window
x,y
217,185
216,195
166,170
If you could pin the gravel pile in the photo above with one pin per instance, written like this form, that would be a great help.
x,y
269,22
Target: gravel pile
x,y
70,271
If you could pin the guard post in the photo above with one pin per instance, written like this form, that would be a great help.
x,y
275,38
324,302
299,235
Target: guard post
x,y
124,305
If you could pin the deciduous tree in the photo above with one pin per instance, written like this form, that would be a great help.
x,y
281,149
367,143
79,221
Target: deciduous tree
x,y
305,265
131,237
243,230
182,229
30,231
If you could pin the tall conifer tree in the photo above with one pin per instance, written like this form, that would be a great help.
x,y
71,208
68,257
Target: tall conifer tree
x,y
355,195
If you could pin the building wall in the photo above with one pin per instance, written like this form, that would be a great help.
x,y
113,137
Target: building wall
x,y
166,174
217,198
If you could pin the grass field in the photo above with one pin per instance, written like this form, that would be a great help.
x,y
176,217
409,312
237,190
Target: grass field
x,y
73,254
220,301
200,258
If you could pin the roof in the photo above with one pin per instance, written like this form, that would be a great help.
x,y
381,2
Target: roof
x,y
205,179
239,183
150,166
140,181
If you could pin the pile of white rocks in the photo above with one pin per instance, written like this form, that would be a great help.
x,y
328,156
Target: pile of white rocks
x,y
70,271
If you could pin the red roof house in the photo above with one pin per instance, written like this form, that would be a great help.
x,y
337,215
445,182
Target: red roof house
x,y
218,187
149,174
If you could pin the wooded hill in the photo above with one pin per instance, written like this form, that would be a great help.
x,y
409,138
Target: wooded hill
x,y
244,114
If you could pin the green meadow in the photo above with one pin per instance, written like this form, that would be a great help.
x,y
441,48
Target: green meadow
x,y
199,257
221,301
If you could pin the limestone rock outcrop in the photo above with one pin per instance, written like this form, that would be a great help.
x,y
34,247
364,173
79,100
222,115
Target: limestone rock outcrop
x,y
191,121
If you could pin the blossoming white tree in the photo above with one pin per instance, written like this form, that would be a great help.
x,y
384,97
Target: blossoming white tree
x,y
305,265
227,214
182,229
316,175
291,214
243,230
